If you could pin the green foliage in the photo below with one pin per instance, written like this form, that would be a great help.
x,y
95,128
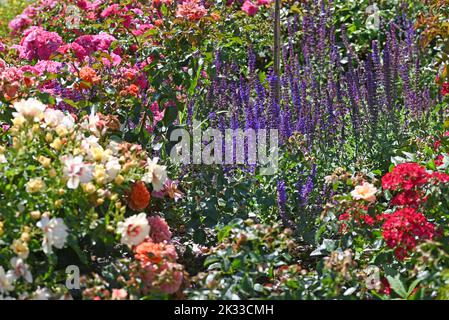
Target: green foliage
x,y
246,263
8,10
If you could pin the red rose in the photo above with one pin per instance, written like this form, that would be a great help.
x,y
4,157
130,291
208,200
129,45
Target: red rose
x,y
445,89
404,229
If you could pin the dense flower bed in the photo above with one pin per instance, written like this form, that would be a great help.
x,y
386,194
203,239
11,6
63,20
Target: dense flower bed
x,y
64,182
93,204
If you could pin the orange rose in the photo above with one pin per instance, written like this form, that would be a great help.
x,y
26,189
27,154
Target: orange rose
x,y
133,90
149,252
88,75
140,197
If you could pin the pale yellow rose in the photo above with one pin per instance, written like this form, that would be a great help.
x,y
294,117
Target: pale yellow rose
x,y
366,192
35,185
100,174
20,248
44,161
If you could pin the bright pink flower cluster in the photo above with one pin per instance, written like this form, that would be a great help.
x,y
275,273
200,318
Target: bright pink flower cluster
x,y
141,29
89,5
135,17
93,43
39,44
19,23
160,230
111,10
47,66
252,8
86,45
403,229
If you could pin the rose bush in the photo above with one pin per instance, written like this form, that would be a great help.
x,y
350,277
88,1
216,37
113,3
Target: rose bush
x,y
396,223
68,188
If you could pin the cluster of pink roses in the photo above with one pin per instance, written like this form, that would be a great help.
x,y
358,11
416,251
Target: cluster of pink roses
x,y
38,43
23,20
252,8
74,66
11,80
157,258
84,46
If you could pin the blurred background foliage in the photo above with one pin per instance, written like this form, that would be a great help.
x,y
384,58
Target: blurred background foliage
x,y
8,10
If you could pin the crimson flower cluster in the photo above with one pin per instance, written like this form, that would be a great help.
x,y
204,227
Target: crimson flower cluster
x,y
409,178
409,198
403,228
405,176
445,89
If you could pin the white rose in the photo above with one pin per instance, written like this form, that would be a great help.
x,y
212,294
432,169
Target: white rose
x,y
53,118
55,233
156,174
30,109
113,167
134,230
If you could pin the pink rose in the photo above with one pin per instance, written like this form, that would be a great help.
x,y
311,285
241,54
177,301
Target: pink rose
x,y
38,43
111,10
119,294
159,230
19,23
250,8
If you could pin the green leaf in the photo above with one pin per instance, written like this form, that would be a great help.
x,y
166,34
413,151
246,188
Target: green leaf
x,y
412,287
171,113
397,285
81,255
